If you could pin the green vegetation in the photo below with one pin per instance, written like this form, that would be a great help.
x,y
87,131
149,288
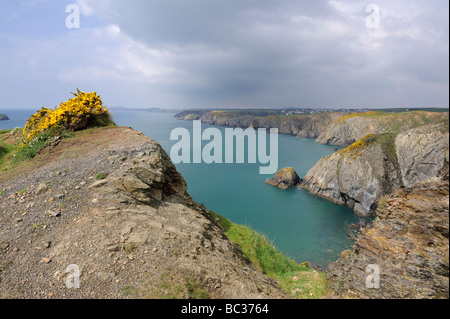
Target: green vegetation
x,y
31,149
130,248
298,280
46,126
185,288
6,149
101,176
425,109
171,285
129,291
387,142
12,154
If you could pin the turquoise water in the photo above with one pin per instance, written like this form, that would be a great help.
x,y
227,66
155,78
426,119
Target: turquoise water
x,y
303,226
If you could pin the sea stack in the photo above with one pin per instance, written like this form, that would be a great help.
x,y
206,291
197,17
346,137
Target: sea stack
x,y
285,178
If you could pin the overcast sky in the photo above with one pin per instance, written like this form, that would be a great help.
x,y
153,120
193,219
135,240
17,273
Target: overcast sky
x,y
226,53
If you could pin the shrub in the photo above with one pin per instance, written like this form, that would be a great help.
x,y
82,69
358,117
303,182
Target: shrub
x,y
80,112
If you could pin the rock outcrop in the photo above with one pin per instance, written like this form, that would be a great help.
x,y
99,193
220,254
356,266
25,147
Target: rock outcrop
x,y
134,234
285,178
3,117
351,128
361,174
310,125
422,153
407,244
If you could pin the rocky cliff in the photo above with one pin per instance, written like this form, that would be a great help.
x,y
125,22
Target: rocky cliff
x,y
407,244
110,202
310,125
351,128
380,164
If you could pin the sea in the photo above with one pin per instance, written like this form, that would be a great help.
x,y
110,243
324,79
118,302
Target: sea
x,y
305,227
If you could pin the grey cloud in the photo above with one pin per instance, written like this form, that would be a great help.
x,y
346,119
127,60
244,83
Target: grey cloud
x,y
275,53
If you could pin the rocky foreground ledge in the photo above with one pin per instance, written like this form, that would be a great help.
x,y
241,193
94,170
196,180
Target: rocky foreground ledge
x,y
111,202
408,243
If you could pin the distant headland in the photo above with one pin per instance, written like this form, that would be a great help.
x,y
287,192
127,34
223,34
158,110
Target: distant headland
x,y
3,117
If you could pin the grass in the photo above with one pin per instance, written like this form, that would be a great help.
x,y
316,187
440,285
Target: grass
x,y
264,256
130,248
171,285
129,291
11,155
6,152
184,288
31,149
101,176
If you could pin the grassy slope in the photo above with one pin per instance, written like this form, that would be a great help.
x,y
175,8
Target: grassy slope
x,y
298,280
7,150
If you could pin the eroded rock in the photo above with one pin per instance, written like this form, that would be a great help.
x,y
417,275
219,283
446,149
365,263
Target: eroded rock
x,y
285,178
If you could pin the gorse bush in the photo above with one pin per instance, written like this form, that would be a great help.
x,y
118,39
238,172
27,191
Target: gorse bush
x,y
80,112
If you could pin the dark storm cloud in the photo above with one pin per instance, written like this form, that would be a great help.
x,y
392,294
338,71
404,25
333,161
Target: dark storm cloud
x,y
290,52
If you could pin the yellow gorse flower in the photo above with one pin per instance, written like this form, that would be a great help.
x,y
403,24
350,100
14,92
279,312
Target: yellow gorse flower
x,y
356,149
72,115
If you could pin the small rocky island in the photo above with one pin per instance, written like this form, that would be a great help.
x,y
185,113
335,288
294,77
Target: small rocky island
x,y
3,117
285,178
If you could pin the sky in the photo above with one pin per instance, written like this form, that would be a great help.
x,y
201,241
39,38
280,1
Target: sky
x,y
226,53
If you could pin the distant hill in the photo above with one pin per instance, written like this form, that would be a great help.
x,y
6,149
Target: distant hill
x,y
426,109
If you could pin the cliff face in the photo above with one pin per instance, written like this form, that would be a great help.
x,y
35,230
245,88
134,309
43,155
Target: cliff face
x,y
379,165
136,233
423,153
351,128
311,125
408,242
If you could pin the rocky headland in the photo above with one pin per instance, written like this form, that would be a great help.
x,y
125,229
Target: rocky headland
x,y
111,202
378,165
3,117
308,125
353,127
